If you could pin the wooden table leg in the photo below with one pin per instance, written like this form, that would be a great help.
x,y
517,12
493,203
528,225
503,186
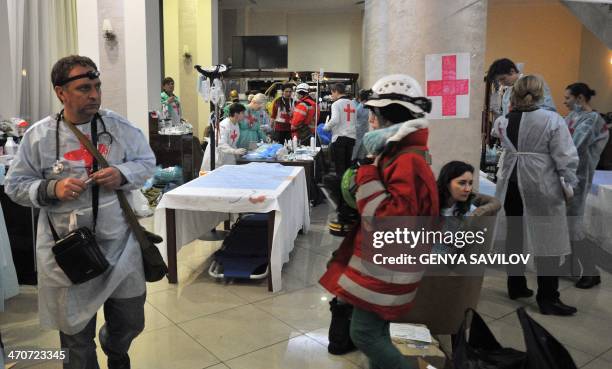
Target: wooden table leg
x,y
171,245
271,216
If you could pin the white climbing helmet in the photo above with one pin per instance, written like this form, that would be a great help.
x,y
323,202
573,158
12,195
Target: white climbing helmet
x,y
303,87
399,89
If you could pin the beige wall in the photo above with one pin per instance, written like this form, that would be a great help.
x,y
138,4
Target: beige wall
x,y
543,35
172,46
112,57
330,40
596,70
188,23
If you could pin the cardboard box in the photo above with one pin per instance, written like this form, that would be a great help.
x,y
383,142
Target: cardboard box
x,y
419,351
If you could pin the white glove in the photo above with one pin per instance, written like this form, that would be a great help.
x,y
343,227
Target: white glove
x,y
239,152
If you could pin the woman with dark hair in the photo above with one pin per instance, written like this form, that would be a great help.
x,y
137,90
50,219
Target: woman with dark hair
x,y
590,135
455,188
457,199
282,109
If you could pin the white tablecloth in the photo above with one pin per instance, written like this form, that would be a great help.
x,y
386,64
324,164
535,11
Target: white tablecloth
x,y
598,210
255,187
8,276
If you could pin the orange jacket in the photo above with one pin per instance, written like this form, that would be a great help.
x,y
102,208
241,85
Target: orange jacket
x,y
304,114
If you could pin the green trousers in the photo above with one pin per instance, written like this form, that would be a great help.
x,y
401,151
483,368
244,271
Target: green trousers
x,y
370,333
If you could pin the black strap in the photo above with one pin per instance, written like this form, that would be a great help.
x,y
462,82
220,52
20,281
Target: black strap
x,y
95,190
128,212
53,232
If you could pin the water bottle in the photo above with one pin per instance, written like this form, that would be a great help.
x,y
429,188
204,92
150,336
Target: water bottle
x,y
313,145
10,148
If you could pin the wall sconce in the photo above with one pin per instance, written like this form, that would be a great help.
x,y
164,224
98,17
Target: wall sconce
x,y
186,53
107,30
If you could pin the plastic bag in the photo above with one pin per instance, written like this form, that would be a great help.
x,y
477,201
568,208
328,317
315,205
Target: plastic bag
x,y
483,351
543,350
265,151
324,136
140,204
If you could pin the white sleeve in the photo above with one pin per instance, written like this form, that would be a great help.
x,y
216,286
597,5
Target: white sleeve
x,y
495,129
335,117
563,152
224,140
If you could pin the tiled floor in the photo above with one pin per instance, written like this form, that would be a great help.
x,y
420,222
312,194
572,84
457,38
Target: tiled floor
x,y
203,323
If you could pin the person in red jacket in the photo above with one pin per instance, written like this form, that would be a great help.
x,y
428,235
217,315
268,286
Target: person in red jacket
x,y
399,182
304,115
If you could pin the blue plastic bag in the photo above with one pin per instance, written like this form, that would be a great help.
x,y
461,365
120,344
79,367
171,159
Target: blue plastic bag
x,y
324,136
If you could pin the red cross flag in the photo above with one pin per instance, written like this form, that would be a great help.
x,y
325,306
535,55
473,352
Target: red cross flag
x,y
448,85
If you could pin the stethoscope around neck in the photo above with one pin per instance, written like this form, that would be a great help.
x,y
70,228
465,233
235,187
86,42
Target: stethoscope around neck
x,y
58,166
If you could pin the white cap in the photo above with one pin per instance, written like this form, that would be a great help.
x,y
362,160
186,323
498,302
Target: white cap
x,y
302,87
399,89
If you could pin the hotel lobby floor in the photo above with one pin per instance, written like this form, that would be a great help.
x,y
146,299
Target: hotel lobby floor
x,y
201,323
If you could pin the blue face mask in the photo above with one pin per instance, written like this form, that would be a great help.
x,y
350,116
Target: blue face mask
x,y
376,140
577,108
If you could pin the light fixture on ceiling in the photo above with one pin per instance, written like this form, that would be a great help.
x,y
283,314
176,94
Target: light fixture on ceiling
x,y
186,53
107,29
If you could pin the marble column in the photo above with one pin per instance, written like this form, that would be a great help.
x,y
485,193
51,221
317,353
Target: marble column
x,y
397,34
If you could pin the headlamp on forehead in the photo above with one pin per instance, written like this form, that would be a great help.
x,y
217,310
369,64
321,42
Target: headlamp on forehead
x,y
92,74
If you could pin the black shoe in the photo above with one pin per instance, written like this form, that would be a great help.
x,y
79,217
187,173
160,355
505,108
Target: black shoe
x,y
517,294
588,282
123,363
338,228
340,341
548,307
517,287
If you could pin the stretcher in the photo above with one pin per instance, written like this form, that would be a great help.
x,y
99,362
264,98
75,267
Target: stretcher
x,y
244,253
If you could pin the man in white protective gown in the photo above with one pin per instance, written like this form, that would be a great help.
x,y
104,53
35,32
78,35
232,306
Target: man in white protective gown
x,y
54,172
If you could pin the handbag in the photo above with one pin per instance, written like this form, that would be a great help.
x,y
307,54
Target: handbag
x,y
483,351
154,266
78,254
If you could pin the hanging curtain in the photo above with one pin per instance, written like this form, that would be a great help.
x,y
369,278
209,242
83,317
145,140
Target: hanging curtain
x,y
39,33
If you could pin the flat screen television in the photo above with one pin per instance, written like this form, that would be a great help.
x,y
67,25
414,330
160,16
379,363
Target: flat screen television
x,y
259,52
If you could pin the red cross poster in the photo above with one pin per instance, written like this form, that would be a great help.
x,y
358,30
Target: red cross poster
x,y
448,85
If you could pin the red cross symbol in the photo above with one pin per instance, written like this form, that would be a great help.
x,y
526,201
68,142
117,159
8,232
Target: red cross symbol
x,y
233,136
251,119
571,126
449,87
348,111
82,154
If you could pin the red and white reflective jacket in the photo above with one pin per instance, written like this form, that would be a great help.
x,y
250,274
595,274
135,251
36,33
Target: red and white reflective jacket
x,y
406,187
303,114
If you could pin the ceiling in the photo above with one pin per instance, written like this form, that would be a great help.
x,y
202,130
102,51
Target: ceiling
x,y
292,4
